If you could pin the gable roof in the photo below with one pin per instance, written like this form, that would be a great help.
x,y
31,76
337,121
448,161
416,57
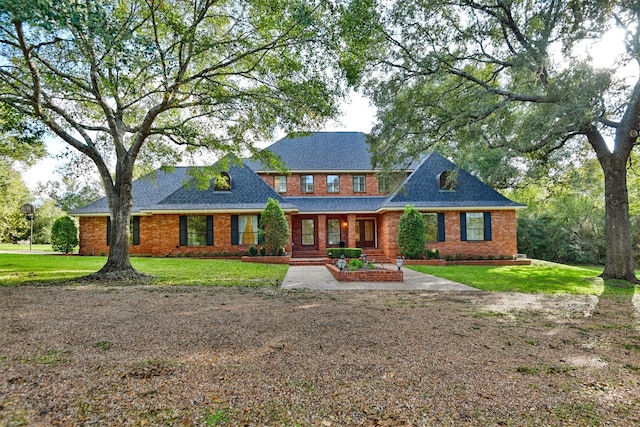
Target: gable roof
x,y
321,151
421,189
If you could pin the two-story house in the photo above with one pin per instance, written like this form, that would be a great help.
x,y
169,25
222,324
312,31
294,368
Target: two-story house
x,y
331,196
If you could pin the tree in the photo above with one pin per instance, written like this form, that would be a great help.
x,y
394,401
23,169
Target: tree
x,y
13,194
411,234
564,221
70,192
275,228
165,81
513,75
46,214
64,235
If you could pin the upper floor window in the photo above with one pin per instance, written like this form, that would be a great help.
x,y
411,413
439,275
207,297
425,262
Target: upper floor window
x,y
306,183
447,180
359,184
280,183
333,184
222,182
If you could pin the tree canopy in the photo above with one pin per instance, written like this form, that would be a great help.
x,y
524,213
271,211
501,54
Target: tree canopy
x,y
123,81
512,76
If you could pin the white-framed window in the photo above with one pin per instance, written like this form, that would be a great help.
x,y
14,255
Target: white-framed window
x,y
280,183
333,183
308,232
306,183
333,231
359,184
248,229
431,226
475,226
197,230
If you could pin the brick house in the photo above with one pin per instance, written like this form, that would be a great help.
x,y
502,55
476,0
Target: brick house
x,y
331,197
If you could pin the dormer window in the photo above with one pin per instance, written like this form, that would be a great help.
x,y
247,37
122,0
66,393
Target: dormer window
x,y
447,180
222,182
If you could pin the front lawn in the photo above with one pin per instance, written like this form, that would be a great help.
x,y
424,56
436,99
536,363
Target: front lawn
x,y
18,269
540,277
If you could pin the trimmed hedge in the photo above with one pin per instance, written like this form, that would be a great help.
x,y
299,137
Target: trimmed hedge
x,y
347,252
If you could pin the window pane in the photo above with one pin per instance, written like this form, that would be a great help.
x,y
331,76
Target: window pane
x,y
431,227
248,229
333,230
306,183
333,184
197,230
308,232
280,183
475,226
358,184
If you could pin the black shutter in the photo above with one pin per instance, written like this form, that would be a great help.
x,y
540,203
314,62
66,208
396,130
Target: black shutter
x,y
209,230
463,226
108,230
441,233
487,226
183,231
235,234
136,230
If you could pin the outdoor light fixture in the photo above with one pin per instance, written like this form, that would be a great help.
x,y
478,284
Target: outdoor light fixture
x,y
341,262
399,262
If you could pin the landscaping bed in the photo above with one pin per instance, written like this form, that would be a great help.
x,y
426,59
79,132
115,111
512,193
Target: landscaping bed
x,y
376,274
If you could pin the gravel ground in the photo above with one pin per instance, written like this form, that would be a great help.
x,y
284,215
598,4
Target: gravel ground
x,y
136,355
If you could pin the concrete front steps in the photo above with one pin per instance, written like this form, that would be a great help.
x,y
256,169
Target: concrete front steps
x,y
317,259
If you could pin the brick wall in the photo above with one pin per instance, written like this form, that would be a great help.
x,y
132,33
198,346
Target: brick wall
x,y
503,236
160,236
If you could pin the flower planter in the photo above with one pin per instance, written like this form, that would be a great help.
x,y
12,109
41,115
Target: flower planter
x,y
375,275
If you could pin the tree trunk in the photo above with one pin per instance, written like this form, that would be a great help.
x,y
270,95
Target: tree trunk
x,y
619,257
120,204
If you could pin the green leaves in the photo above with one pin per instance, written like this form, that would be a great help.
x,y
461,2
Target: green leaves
x,y
411,234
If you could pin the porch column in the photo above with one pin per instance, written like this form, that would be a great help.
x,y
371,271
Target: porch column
x,y
322,233
351,230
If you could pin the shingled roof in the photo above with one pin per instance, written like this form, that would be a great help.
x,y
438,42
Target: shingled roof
x,y
170,191
422,189
321,151
248,192
147,191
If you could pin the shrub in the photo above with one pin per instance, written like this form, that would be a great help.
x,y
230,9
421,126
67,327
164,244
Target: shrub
x,y
356,264
64,235
253,251
274,227
347,252
411,234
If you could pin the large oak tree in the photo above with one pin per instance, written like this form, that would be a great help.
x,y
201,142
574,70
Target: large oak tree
x,y
124,80
514,75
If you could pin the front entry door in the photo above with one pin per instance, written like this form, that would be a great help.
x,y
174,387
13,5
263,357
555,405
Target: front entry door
x,y
365,233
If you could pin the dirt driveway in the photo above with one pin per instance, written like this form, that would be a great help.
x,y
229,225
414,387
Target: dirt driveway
x,y
100,355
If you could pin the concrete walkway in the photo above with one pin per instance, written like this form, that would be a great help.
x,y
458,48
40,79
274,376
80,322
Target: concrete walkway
x,y
319,278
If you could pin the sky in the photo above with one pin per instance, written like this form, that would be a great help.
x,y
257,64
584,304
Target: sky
x,y
358,116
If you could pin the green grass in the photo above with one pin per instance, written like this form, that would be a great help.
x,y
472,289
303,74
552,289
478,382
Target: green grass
x,y
540,277
25,248
18,269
